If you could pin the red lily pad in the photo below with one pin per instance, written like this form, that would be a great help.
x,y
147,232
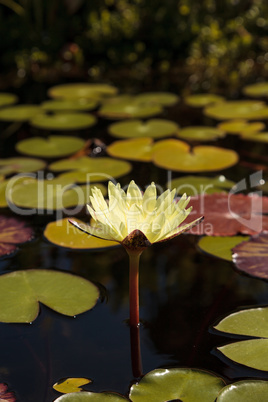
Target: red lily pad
x,y
5,395
229,214
251,256
12,232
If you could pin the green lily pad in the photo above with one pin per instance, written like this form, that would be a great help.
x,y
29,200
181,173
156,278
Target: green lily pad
x,y
64,234
239,126
257,90
178,156
21,292
7,99
188,385
91,397
82,90
129,109
63,121
63,105
136,149
154,128
20,165
243,109
50,147
220,247
252,322
71,385
19,112
201,100
193,185
47,195
13,232
87,169
256,137
158,98
244,391
200,133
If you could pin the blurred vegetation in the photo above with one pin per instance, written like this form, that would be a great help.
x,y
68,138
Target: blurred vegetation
x,y
207,43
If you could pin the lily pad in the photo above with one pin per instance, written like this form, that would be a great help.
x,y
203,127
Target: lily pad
x,y
239,126
251,257
194,185
91,397
50,147
243,109
20,165
82,90
19,112
71,385
87,169
154,128
220,247
136,149
256,137
64,234
244,391
130,109
7,99
21,292
253,323
63,121
188,385
200,133
201,100
63,105
157,98
256,90
13,232
178,156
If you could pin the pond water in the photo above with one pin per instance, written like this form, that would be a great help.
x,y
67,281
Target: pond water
x,y
183,293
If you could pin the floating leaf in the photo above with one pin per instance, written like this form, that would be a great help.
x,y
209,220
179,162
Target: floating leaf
x,y
6,395
220,247
157,98
257,90
129,109
65,234
229,214
81,90
63,121
243,109
251,322
188,385
19,112
257,137
239,126
193,185
7,99
87,169
13,232
251,257
20,165
21,292
71,385
92,397
178,156
63,105
201,100
200,133
244,391
137,149
154,128
50,147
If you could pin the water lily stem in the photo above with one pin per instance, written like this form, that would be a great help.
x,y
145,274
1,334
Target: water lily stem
x,y
134,259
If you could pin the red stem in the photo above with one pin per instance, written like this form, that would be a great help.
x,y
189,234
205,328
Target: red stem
x,y
134,258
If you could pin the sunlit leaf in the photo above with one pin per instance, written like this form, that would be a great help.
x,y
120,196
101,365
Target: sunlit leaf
x,y
50,147
129,109
256,137
244,391
159,98
7,99
19,112
20,165
139,149
87,169
71,385
155,128
65,234
13,232
242,109
21,292
188,385
178,156
220,246
92,397
81,90
257,90
63,105
193,185
63,121
6,395
239,126
201,100
200,133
